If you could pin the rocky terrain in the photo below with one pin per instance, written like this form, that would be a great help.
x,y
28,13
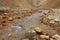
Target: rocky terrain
x,y
18,19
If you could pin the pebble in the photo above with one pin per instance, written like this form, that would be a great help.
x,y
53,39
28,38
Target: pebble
x,y
37,29
56,36
26,39
51,39
10,18
5,13
52,21
56,19
44,36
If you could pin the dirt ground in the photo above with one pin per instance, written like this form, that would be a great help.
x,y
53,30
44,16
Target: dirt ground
x,y
30,4
29,11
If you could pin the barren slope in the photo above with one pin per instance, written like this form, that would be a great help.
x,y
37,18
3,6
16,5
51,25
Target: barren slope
x,y
28,4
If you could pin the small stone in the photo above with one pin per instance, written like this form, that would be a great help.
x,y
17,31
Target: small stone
x,y
45,33
33,31
37,29
9,35
51,39
10,18
26,39
5,13
44,36
49,17
56,19
52,21
56,36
